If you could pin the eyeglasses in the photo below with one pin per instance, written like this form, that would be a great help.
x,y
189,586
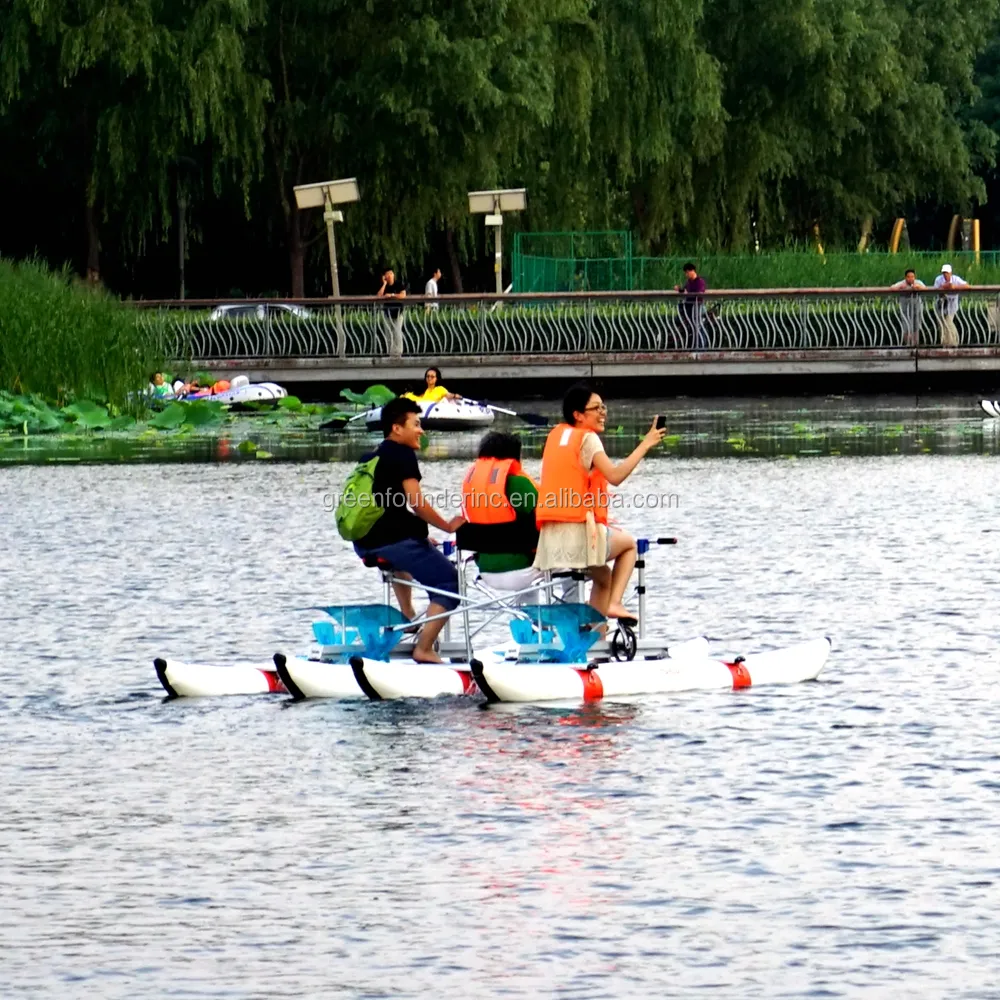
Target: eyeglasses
x,y
600,407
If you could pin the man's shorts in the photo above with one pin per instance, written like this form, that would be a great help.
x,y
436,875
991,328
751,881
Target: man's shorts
x,y
425,563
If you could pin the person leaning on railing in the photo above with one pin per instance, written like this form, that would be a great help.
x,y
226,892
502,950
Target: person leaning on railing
x,y
911,308
692,307
946,306
392,320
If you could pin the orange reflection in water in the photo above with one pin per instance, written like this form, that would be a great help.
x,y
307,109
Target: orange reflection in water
x,y
546,798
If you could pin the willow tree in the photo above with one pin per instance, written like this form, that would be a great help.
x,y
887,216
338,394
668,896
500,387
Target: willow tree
x,y
840,109
639,107
126,91
421,102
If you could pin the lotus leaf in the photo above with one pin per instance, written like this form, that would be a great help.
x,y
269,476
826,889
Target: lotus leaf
x,y
170,418
204,414
374,395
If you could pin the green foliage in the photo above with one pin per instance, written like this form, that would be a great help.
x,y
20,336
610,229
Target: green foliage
x,y
60,339
134,89
202,414
170,418
374,395
710,123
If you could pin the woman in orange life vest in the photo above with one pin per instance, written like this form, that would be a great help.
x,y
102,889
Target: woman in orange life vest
x,y
498,504
572,510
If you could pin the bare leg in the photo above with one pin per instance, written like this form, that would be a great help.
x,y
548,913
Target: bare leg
x,y
623,552
404,595
423,651
600,588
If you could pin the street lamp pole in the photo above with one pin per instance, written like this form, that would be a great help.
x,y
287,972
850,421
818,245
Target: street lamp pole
x,y
497,244
330,217
493,204
325,195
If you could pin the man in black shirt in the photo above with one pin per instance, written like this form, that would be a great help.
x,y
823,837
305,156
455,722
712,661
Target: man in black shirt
x,y
400,534
393,319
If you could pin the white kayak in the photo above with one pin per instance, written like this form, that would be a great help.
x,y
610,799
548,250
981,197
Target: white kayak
x,y
530,682
446,415
194,680
991,406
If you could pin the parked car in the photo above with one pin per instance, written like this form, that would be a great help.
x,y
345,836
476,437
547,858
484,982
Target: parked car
x,y
259,310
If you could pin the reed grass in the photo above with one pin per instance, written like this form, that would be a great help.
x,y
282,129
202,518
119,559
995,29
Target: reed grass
x,y
787,269
799,269
65,341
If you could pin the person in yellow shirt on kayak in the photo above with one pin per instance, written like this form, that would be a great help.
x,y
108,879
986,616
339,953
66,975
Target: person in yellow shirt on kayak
x,y
434,391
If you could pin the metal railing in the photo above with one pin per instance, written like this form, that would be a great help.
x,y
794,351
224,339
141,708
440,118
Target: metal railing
x,y
770,320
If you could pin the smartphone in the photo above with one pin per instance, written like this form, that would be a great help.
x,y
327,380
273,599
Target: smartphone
x,y
661,421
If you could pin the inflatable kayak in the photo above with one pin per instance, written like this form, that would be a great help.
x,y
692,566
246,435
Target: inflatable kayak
x,y
991,406
529,682
242,390
194,680
446,415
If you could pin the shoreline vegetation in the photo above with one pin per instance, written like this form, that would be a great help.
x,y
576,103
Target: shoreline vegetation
x,y
76,359
788,269
64,341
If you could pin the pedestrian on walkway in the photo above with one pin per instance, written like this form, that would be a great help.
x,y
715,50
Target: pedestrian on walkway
x,y
392,318
431,290
691,308
946,306
911,308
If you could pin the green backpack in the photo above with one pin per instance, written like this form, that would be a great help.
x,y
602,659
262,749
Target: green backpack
x,y
357,511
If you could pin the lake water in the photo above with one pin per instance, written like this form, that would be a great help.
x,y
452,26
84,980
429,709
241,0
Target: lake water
x,y
834,839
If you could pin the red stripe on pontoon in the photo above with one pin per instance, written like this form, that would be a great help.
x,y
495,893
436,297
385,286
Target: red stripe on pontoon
x,y
741,676
593,689
468,684
274,682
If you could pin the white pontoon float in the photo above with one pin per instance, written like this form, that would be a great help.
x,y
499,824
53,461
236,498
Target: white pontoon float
x,y
557,654
554,653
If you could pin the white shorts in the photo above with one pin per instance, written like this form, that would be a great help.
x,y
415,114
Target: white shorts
x,y
521,579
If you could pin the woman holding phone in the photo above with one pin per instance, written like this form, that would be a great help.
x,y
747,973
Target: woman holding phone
x,y
573,500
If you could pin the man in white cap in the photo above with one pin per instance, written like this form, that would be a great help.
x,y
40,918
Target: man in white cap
x,y
947,305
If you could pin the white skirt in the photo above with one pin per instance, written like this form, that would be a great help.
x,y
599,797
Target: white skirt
x,y
575,545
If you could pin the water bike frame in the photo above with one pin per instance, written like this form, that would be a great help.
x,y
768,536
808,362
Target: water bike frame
x,y
552,629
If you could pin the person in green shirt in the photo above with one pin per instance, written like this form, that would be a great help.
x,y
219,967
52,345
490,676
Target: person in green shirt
x,y
494,489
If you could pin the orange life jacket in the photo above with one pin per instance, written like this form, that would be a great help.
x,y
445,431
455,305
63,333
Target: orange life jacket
x,y
568,490
484,491
221,386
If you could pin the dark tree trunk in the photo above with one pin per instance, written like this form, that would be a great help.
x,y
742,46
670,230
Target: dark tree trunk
x,y
296,253
93,243
456,271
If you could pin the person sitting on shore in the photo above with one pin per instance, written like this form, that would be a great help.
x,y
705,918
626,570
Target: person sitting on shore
x,y
498,504
573,500
400,535
433,392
